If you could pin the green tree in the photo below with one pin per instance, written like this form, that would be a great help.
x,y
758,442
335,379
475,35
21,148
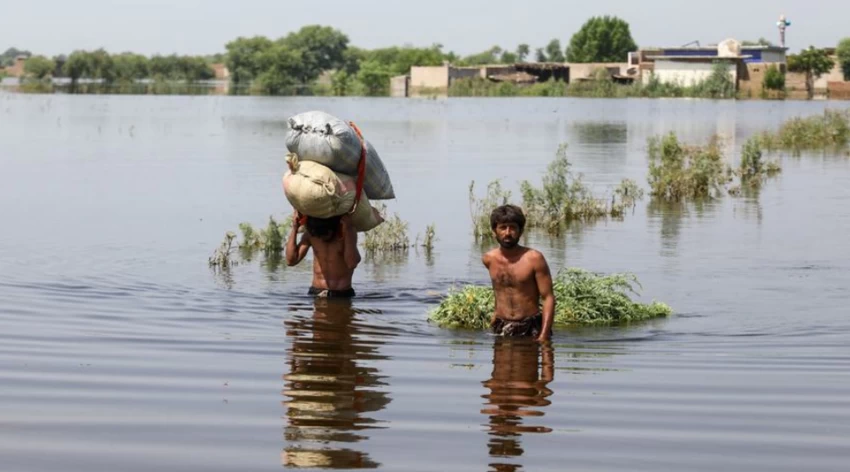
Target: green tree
x,y
130,67
540,55
375,78
321,48
813,63
281,67
77,66
244,57
553,51
39,67
601,39
490,56
522,51
774,79
508,57
843,53
102,66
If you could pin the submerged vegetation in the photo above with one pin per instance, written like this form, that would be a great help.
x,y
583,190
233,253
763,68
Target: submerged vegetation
x,y
269,240
718,85
819,132
582,298
391,235
388,237
678,171
562,199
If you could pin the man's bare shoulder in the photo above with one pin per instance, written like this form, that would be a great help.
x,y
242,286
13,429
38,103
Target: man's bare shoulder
x,y
488,256
536,258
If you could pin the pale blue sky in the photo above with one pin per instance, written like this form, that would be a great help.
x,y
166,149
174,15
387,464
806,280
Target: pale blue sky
x,y
464,26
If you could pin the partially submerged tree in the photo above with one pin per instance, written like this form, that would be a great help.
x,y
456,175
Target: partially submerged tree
x,y
843,53
39,67
813,63
601,39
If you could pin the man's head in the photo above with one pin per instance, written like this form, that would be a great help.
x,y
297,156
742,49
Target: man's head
x,y
507,223
323,228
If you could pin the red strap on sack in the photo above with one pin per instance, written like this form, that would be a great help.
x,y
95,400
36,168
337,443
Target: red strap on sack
x,y
361,167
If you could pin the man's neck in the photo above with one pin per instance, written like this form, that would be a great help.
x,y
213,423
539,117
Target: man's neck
x,y
512,252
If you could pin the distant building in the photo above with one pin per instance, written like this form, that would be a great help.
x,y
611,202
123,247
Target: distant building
x,y
17,69
689,65
436,80
221,71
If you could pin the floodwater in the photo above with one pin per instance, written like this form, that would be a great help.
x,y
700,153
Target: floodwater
x,y
120,349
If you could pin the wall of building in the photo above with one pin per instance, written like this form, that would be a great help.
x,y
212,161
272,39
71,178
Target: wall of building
x,y
398,86
688,73
751,77
835,75
17,69
428,78
839,90
586,70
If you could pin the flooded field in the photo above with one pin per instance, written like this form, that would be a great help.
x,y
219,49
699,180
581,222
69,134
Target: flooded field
x,y
120,349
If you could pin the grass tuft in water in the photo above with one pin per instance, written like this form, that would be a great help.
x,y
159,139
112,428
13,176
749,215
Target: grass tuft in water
x,y
678,171
828,131
581,298
753,169
221,257
391,235
562,199
480,209
269,239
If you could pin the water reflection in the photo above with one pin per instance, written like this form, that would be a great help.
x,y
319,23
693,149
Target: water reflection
x,y
331,389
601,132
522,369
671,215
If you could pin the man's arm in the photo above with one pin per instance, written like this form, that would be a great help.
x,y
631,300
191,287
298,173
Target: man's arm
x,y
295,253
544,286
350,251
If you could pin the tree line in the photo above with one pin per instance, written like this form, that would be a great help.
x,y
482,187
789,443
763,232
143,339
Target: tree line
x,y
292,64
111,68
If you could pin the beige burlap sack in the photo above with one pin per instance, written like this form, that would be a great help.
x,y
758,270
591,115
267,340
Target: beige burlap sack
x,y
315,190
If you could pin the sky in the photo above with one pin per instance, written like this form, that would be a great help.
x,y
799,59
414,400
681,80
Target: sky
x,y
53,27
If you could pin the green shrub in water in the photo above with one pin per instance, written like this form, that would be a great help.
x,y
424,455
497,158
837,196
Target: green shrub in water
x,y
830,130
753,168
678,171
581,298
563,198
391,235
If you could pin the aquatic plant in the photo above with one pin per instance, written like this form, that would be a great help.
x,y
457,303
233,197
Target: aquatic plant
x,y
221,257
581,298
480,209
270,239
818,132
391,235
563,198
678,171
753,169
429,238
626,196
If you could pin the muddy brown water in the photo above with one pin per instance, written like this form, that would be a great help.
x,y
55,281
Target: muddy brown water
x,y
121,350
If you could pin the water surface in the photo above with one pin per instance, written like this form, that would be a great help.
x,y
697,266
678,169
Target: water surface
x,y
121,350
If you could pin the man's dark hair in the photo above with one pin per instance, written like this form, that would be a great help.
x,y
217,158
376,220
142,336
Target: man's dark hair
x,y
323,228
507,214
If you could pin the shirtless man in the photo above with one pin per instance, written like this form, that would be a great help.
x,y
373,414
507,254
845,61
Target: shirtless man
x,y
335,254
521,279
